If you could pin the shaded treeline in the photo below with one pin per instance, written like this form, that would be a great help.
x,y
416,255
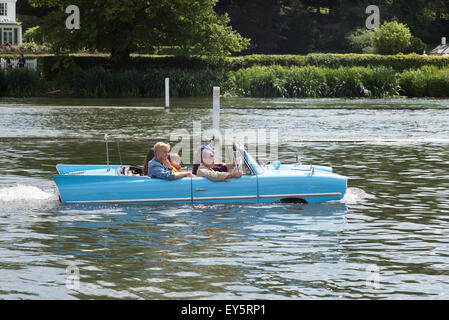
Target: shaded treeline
x,y
304,26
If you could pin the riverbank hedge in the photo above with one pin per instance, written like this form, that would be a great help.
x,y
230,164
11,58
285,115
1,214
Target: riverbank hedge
x,y
52,65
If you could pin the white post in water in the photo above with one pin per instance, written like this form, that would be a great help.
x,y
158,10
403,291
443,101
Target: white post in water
x,y
216,112
106,137
167,93
216,137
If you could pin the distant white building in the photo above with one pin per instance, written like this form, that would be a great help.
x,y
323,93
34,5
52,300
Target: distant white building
x,y
10,29
442,49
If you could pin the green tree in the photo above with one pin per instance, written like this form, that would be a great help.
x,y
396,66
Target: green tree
x,y
361,41
124,26
33,34
392,37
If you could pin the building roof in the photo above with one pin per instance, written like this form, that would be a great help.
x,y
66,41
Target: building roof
x,y
441,50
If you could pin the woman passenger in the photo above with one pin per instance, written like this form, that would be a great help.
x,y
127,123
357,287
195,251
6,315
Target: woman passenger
x,y
175,161
149,157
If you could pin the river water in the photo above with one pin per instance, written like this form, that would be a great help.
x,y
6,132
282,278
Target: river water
x,y
388,238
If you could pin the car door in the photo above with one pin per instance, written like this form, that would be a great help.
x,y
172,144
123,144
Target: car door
x,y
242,189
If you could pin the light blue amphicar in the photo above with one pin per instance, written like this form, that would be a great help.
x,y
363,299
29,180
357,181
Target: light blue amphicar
x,y
259,184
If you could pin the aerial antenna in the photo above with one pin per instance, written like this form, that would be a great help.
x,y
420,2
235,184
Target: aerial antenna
x,y
106,137
216,113
216,136
234,151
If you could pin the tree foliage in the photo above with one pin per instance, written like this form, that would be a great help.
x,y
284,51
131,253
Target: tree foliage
x,y
124,26
392,37
274,26
361,41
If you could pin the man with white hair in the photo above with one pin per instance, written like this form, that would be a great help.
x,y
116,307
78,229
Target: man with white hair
x,y
220,167
206,170
160,167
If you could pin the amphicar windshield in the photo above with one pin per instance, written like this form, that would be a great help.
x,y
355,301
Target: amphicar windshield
x,y
243,160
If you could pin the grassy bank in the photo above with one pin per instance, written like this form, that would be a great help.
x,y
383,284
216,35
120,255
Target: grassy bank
x,y
309,81
427,81
257,81
98,82
22,83
318,75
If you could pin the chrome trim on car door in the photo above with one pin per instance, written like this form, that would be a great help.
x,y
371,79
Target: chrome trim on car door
x,y
300,195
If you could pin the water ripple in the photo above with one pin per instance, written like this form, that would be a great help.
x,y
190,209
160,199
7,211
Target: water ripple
x,y
388,238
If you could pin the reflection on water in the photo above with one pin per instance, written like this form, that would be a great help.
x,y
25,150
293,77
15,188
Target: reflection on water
x,y
170,251
388,238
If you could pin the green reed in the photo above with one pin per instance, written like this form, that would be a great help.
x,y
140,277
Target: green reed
x,y
428,81
310,81
98,82
22,83
255,81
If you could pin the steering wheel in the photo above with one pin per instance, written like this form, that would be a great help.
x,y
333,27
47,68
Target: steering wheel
x,y
237,162
239,165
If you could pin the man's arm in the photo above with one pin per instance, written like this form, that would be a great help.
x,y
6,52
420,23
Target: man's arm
x,y
159,171
217,175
